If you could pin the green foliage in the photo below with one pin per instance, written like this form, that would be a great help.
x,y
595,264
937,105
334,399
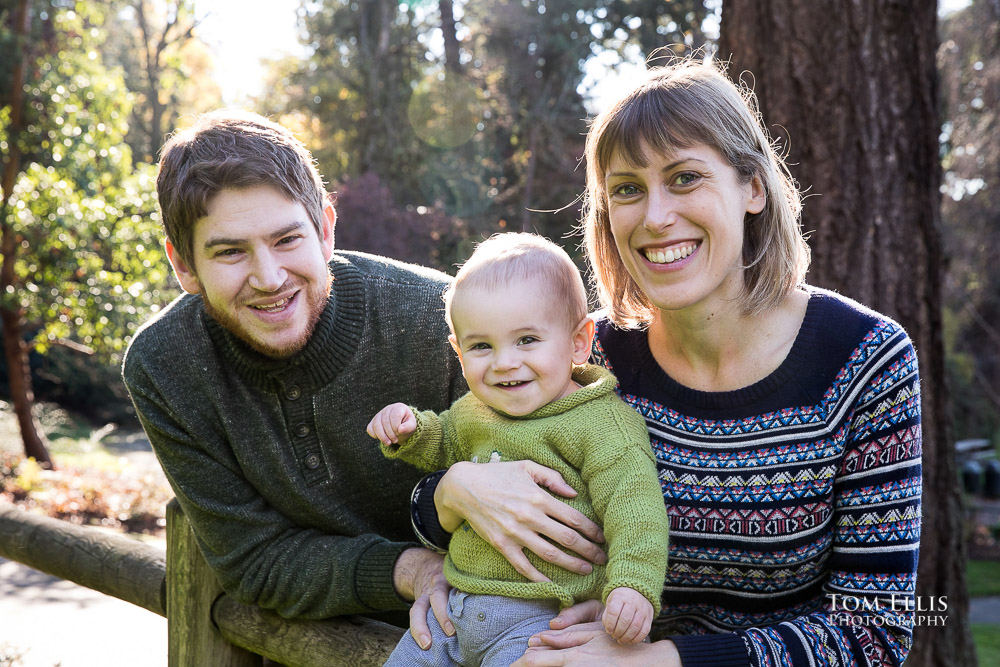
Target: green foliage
x,y
987,639
89,262
983,578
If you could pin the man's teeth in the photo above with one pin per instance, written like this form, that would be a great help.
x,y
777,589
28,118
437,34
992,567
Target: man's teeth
x,y
277,305
662,256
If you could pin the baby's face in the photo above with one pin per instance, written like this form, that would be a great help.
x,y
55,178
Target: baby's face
x,y
516,347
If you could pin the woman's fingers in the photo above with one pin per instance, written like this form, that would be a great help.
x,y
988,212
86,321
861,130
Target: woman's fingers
x,y
576,635
576,521
582,612
522,526
507,504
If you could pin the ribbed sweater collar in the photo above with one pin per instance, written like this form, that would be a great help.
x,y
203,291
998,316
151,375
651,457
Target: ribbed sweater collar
x,y
331,346
594,381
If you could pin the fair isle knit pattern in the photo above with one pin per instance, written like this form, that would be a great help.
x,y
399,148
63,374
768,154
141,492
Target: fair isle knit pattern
x,y
794,503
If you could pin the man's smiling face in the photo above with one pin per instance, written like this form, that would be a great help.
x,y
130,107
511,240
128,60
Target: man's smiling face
x,y
261,268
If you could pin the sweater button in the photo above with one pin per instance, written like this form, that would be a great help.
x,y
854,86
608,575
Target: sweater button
x,y
312,461
302,430
481,616
293,393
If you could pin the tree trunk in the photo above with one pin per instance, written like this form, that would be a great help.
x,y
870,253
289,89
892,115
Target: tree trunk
x,y
450,34
15,350
854,84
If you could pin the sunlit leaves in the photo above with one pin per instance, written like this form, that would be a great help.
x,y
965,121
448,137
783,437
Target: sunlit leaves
x,y
89,262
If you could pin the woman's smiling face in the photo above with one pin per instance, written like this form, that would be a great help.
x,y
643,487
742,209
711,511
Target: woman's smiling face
x,y
678,225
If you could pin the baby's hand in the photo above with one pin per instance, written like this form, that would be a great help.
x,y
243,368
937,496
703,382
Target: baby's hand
x,y
392,424
628,615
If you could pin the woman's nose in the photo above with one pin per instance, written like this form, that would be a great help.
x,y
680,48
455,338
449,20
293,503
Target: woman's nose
x,y
660,212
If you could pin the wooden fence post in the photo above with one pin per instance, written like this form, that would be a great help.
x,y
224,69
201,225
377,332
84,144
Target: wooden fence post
x,y
192,588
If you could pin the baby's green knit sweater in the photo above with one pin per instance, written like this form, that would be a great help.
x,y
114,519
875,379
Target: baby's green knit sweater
x,y
601,448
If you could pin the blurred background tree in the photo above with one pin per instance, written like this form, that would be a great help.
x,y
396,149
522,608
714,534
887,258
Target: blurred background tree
x,y
969,66
82,261
166,68
475,110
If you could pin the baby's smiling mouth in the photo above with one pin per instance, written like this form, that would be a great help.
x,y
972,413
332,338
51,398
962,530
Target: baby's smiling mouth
x,y
512,383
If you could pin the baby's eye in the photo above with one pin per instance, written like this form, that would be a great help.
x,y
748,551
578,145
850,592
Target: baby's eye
x,y
479,346
527,340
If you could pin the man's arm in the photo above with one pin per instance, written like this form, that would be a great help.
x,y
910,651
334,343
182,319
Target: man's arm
x,y
260,555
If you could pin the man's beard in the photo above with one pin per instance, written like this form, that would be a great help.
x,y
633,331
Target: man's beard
x,y
316,297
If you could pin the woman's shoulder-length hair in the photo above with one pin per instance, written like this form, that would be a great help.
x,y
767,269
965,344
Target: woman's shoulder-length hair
x,y
679,105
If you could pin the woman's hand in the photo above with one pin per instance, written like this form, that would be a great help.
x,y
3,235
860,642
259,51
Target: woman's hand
x,y
588,645
505,504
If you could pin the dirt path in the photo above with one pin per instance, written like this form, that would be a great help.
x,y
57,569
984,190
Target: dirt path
x,y
52,622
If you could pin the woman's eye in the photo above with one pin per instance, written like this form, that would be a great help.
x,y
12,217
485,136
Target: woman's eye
x,y
625,190
685,178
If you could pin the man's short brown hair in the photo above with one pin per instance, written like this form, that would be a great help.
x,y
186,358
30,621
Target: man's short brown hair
x,y
231,150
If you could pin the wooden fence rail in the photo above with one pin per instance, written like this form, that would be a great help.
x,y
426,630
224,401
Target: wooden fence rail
x,y
204,626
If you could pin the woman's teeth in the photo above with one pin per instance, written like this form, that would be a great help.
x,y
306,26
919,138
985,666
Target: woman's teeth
x,y
666,256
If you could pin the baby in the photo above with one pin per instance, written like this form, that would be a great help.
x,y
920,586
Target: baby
x,y
518,316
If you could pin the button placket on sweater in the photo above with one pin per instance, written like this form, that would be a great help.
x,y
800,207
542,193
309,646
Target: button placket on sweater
x,y
300,425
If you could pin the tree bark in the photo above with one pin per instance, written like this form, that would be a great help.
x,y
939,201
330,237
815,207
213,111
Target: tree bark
x,y
852,87
11,313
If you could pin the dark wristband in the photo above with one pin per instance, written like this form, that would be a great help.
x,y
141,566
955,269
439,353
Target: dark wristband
x,y
424,517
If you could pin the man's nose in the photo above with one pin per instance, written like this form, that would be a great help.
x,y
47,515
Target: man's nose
x,y
268,275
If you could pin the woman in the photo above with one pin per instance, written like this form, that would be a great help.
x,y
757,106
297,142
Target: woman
x,y
785,419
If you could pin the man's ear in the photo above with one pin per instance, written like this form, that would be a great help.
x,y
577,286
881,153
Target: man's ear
x,y
185,274
583,340
329,223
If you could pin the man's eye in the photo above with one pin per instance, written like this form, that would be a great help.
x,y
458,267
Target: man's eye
x,y
227,252
289,239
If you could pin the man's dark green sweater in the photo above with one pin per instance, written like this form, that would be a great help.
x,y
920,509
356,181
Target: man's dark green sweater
x,y
293,505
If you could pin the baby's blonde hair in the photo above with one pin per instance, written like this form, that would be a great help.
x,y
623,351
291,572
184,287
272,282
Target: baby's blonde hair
x,y
506,258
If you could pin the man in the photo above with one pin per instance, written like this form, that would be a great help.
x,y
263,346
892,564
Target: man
x,y
256,386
